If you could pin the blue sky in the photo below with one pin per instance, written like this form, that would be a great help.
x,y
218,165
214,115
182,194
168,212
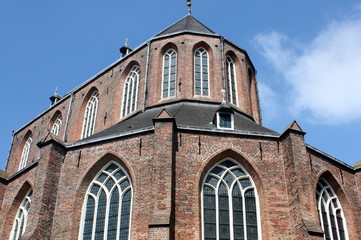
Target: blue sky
x,y
307,54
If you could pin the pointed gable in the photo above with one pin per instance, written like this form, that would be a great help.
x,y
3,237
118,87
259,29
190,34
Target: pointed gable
x,y
186,24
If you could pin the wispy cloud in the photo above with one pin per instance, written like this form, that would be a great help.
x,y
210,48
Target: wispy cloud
x,y
324,76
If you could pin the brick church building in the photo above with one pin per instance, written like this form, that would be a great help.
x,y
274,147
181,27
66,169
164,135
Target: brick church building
x,y
168,143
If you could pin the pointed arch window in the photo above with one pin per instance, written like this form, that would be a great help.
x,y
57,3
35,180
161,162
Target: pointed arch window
x,y
169,73
130,91
26,151
330,212
107,206
231,77
57,125
201,72
21,217
230,208
90,115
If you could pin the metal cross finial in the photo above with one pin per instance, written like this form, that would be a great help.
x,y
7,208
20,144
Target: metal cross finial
x,y
126,42
189,5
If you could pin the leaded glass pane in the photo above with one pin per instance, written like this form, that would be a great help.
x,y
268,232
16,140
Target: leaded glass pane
x,y
212,180
102,177
130,91
245,183
238,172
124,184
340,225
118,175
20,220
124,221
113,215
330,212
111,168
233,208
251,214
218,171
110,183
107,216
228,178
227,164
100,219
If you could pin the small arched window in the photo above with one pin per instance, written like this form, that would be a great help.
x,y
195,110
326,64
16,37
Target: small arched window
x,y
57,125
21,217
330,212
230,203
169,73
231,77
201,72
90,115
26,151
107,206
130,91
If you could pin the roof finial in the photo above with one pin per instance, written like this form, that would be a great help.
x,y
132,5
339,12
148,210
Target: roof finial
x,y
126,42
189,5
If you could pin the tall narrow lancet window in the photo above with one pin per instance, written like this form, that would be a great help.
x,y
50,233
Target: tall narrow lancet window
x,y
130,91
201,72
26,151
21,217
107,206
231,77
90,115
230,203
169,73
330,212
57,125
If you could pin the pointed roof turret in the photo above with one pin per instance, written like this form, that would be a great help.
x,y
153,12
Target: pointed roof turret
x,y
186,24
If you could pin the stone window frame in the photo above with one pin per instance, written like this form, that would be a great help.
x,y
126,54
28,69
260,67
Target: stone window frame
x,y
57,125
112,171
326,200
201,51
232,81
166,91
90,115
130,91
251,187
25,152
21,217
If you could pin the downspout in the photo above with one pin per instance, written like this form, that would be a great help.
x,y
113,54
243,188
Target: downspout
x,y
65,137
11,148
146,76
223,69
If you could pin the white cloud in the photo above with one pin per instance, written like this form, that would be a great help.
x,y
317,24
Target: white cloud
x,y
325,78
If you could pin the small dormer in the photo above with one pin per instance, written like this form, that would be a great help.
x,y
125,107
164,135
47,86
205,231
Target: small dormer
x,y
224,118
55,98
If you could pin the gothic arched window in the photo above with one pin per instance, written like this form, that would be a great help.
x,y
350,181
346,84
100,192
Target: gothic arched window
x,y
56,126
26,151
169,73
229,203
90,115
201,72
231,77
107,205
130,91
21,217
330,212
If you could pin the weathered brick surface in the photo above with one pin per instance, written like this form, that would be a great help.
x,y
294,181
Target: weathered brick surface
x,y
167,165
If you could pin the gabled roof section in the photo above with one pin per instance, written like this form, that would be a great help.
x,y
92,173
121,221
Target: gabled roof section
x,y
186,24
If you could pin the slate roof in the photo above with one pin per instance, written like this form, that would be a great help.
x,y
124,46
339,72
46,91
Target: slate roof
x,y
186,24
188,116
